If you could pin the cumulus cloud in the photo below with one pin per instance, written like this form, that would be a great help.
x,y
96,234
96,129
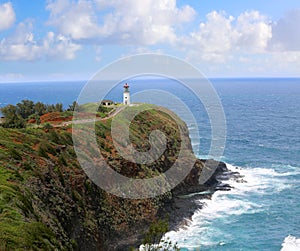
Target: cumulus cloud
x,y
146,22
74,19
59,47
7,16
23,46
221,35
254,31
249,39
123,22
213,39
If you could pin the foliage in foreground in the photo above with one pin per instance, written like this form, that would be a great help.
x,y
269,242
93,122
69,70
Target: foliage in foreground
x,y
21,228
15,232
153,236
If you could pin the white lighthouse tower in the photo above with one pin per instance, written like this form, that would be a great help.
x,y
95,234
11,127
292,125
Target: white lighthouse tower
x,y
126,95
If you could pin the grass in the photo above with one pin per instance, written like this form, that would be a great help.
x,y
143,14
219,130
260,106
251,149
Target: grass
x,y
31,157
20,228
15,232
88,107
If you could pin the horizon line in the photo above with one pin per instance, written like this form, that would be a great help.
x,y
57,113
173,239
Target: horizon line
x,y
147,78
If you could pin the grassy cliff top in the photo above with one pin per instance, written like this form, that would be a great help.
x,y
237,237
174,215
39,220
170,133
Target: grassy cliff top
x,y
48,202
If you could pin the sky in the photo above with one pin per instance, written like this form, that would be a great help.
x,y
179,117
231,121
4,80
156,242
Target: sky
x,y
70,40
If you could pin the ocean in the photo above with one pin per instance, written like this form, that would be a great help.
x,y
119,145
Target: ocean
x,y
262,143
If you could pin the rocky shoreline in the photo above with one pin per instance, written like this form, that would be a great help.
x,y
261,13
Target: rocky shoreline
x,y
185,199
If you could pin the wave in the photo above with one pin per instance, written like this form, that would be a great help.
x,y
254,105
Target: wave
x,y
266,180
220,206
225,206
290,243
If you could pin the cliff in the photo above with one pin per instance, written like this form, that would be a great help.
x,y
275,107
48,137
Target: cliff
x,y
47,201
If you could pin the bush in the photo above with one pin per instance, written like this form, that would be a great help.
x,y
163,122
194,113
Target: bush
x,y
15,154
42,152
45,148
47,126
54,137
152,240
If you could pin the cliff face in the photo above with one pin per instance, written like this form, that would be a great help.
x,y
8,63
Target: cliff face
x,y
47,201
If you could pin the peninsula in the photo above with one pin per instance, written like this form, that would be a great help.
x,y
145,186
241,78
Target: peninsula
x,y
47,201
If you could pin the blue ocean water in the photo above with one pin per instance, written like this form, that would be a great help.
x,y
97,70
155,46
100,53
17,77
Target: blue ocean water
x,y
262,142
49,93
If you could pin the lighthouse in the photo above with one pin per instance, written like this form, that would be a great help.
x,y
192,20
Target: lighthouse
x,y
126,95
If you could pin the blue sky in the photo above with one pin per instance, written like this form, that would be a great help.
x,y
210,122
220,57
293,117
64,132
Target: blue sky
x,y
65,39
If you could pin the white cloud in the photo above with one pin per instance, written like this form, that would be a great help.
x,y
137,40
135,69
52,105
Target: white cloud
x,y
254,31
59,47
286,33
76,20
23,46
216,35
123,22
248,42
221,36
213,40
7,16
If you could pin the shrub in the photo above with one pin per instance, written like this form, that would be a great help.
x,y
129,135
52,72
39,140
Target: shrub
x,y
42,152
15,154
47,126
45,148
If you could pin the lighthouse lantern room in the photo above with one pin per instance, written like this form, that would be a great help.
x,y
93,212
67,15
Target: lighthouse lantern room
x,y
126,95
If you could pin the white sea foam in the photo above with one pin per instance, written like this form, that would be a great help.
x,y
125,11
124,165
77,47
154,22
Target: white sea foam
x,y
291,243
225,204
262,180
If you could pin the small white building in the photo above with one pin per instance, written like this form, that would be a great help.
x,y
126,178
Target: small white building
x,y
126,95
107,102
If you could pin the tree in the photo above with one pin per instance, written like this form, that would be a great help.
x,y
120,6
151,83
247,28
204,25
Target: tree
x,y
59,107
12,119
73,106
25,108
40,108
55,108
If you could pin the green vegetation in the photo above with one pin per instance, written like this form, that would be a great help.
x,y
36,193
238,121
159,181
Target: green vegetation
x,y
16,233
21,226
152,240
48,203
18,116
12,118
102,111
